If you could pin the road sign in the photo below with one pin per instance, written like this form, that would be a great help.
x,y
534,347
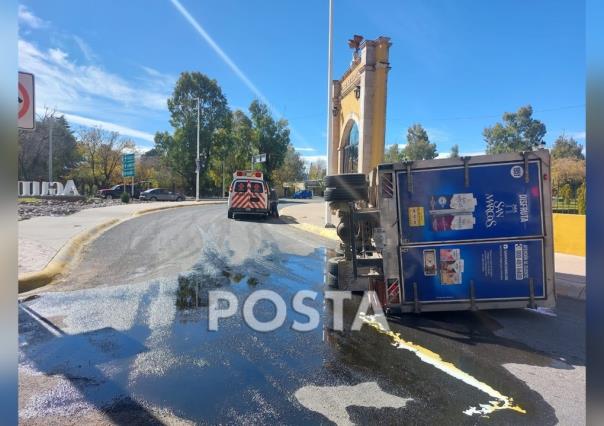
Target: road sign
x,y
26,108
127,165
260,158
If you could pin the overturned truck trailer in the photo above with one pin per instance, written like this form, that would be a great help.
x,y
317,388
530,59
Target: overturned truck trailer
x,y
447,234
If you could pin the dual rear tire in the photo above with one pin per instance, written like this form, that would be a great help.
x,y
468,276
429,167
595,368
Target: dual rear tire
x,y
346,187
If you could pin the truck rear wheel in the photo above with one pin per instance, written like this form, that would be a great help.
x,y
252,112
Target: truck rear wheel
x,y
355,193
345,180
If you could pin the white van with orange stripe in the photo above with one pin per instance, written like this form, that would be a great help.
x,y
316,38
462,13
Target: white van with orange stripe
x,y
248,194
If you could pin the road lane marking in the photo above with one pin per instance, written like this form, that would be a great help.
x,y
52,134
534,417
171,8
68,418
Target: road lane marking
x,y
501,401
331,401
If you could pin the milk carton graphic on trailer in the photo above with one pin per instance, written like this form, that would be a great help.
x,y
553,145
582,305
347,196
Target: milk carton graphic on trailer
x,y
450,234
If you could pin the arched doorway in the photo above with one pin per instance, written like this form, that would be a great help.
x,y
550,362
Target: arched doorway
x,y
350,157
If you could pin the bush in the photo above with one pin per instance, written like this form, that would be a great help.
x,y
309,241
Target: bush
x,y
566,193
125,197
581,198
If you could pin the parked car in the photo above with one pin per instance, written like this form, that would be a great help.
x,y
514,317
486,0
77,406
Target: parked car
x,y
116,191
161,194
305,193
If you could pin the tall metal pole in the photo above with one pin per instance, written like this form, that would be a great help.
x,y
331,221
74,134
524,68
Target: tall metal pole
x,y
51,124
328,223
197,163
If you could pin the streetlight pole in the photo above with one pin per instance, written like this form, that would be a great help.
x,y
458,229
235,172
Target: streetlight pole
x,y
197,163
328,223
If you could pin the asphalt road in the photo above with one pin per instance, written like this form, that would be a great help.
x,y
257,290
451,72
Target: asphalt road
x,y
124,339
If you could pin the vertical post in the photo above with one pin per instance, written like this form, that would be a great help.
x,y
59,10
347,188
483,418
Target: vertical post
x,y
222,196
132,190
52,122
197,164
328,223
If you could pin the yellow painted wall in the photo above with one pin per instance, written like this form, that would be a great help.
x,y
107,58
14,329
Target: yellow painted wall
x,y
569,234
349,104
379,107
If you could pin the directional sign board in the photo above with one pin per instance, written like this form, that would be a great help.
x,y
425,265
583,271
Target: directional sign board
x,y
260,158
127,165
26,108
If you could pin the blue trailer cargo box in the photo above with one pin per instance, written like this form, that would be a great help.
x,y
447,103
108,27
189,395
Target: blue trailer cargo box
x,y
495,201
497,270
466,233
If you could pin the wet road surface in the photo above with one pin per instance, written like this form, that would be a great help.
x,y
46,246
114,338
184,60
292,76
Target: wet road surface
x,y
125,339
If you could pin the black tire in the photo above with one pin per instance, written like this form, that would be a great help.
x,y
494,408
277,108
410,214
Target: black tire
x,y
346,194
332,265
153,198
108,197
331,280
180,199
230,214
345,180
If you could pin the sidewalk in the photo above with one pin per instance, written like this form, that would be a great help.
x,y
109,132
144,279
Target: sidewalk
x,y
309,215
41,239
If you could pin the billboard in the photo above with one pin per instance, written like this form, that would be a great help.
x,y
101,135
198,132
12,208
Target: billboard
x,y
498,269
497,202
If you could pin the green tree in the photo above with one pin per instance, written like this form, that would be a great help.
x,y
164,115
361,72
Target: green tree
x,y
291,169
418,144
33,149
317,170
393,154
180,149
566,192
581,198
101,156
454,151
567,148
567,171
244,144
271,137
519,132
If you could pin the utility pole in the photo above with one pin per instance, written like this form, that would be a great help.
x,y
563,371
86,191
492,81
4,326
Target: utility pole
x,y
328,223
197,163
51,125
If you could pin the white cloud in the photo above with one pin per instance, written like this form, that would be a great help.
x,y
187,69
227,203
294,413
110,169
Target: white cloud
x,y
314,158
304,149
123,130
579,136
27,18
66,85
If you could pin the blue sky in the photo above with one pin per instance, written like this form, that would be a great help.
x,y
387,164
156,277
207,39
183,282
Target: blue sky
x,y
456,65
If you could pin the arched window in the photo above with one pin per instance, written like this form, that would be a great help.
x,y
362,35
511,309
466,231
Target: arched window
x,y
351,150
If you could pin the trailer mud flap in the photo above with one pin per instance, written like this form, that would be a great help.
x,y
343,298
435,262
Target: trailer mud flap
x,y
474,271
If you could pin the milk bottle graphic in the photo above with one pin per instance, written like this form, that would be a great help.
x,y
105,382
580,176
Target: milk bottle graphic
x,y
453,212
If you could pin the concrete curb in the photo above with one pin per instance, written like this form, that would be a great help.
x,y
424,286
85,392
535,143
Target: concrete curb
x,y
573,290
329,233
61,261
